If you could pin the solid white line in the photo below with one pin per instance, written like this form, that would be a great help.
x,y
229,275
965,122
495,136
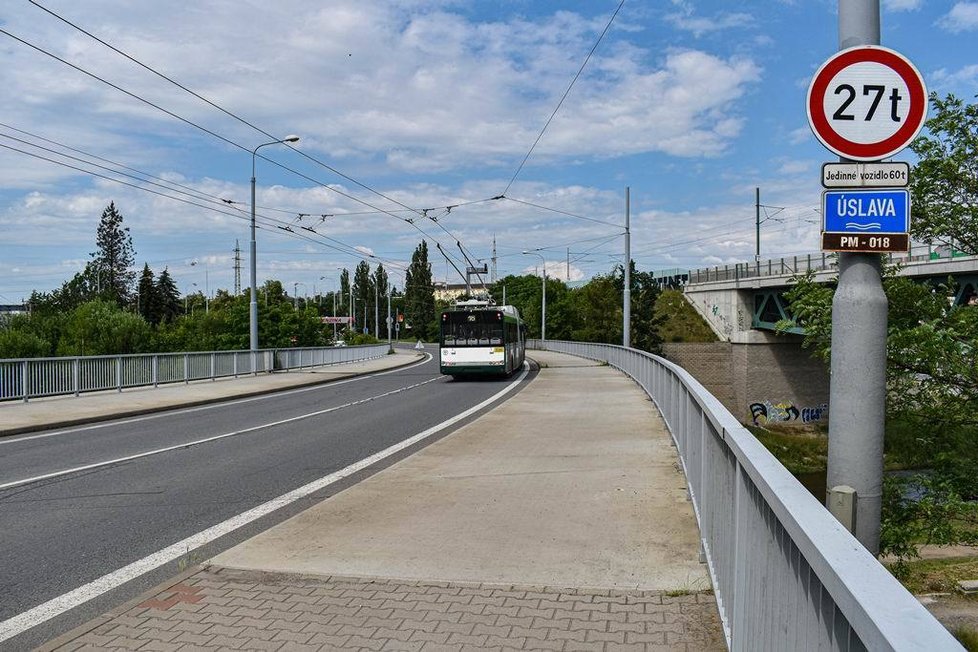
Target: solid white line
x,y
57,606
206,440
210,406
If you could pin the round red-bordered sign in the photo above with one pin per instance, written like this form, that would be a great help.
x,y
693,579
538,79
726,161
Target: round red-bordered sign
x,y
866,121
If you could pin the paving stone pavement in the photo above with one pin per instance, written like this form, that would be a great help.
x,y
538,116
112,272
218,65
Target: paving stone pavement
x,y
214,608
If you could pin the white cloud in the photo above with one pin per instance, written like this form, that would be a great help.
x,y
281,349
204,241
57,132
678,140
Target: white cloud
x,y
901,5
962,17
966,76
699,25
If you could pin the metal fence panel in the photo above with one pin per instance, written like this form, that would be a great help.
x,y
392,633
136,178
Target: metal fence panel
x,y
786,574
23,379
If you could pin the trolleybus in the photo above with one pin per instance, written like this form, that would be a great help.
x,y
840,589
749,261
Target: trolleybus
x,y
478,338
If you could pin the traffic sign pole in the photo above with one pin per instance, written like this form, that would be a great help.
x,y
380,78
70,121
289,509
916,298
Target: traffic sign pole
x,y
857,394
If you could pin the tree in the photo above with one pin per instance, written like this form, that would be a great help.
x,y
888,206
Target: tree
x,y
944,182
168,297
147,300
102,328
644,322
382,287
114,257
343,301
419,294
363,294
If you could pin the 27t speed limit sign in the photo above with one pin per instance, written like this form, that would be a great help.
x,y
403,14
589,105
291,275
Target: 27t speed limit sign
x,y
867,103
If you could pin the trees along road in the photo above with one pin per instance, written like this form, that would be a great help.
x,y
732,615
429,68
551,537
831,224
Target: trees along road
x,y
90,514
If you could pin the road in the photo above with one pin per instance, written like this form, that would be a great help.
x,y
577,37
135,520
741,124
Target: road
x,y
82,503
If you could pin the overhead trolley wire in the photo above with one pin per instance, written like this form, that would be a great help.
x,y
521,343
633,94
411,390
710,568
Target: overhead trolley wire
x,y
563,97
214,134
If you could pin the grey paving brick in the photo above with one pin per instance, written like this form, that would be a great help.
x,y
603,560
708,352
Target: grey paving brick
x,y
581,646
330,641
293,637
228,642
429,637
542,644
193,639
264,646
609,637
258,634
161,646
396,645
484,619
567,635
455,628
654,638
463,639
365,643
151,633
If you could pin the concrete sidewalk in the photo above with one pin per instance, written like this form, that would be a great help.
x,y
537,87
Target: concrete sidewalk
x,y
63,411
556,521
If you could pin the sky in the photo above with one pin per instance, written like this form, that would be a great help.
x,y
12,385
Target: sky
x,y
414,118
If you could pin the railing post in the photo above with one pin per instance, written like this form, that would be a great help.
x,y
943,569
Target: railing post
x,y
156,370
76,375
186,369
213,366
118,373
234,363
24,378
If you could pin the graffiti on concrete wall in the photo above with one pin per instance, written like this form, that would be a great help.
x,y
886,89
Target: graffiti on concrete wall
x,y
782,412
725,326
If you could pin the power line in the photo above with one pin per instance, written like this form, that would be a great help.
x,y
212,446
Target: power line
x,y
212,133
557,210
563,97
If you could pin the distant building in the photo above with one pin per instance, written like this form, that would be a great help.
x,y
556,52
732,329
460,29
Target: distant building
x,y
13,308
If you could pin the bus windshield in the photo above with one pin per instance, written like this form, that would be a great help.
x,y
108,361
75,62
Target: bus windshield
x,y
482,328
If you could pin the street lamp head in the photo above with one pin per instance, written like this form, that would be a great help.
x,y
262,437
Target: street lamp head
x,y
291,139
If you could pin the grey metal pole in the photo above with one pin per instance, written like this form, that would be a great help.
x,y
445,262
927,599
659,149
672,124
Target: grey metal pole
x,y
376,312
390,346
857,395
253,305
757,229
334,317
626,338
543,307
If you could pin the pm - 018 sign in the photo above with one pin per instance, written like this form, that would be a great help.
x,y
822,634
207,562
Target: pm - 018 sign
x,y
867,103
866,220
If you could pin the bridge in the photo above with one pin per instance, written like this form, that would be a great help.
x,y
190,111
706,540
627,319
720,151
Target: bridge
x,y
744,297
336,512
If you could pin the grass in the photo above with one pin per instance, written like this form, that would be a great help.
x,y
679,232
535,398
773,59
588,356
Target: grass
x,y
683,323
938,575
798,450
967,637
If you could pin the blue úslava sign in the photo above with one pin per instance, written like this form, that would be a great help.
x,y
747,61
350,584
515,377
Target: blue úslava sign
x,y
866,211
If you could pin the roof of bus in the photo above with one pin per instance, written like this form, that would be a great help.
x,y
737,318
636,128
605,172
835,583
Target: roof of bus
x,y
463,306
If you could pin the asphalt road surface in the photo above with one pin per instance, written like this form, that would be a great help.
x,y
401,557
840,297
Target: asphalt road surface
x,y
81,503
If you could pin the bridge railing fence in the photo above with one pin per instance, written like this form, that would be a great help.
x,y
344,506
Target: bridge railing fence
x,y
784,266
27,378
786,574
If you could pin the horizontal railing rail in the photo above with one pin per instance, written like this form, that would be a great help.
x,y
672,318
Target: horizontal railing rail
x,y
27,378
786,574
786,266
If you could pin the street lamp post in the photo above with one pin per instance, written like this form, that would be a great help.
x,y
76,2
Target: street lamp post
x,y
543,305
295,294
253,306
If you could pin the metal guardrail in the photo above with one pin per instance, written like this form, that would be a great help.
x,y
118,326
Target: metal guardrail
x,y
27,378
786,574
817,262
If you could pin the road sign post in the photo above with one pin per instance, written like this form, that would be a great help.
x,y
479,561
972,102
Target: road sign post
x,y
865,103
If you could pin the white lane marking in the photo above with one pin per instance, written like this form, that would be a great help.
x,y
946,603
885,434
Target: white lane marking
x,y
206,440
14,439
59,605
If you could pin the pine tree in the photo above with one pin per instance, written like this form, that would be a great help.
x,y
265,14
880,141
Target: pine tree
x,y
419,292
114,258
147,299
168,296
